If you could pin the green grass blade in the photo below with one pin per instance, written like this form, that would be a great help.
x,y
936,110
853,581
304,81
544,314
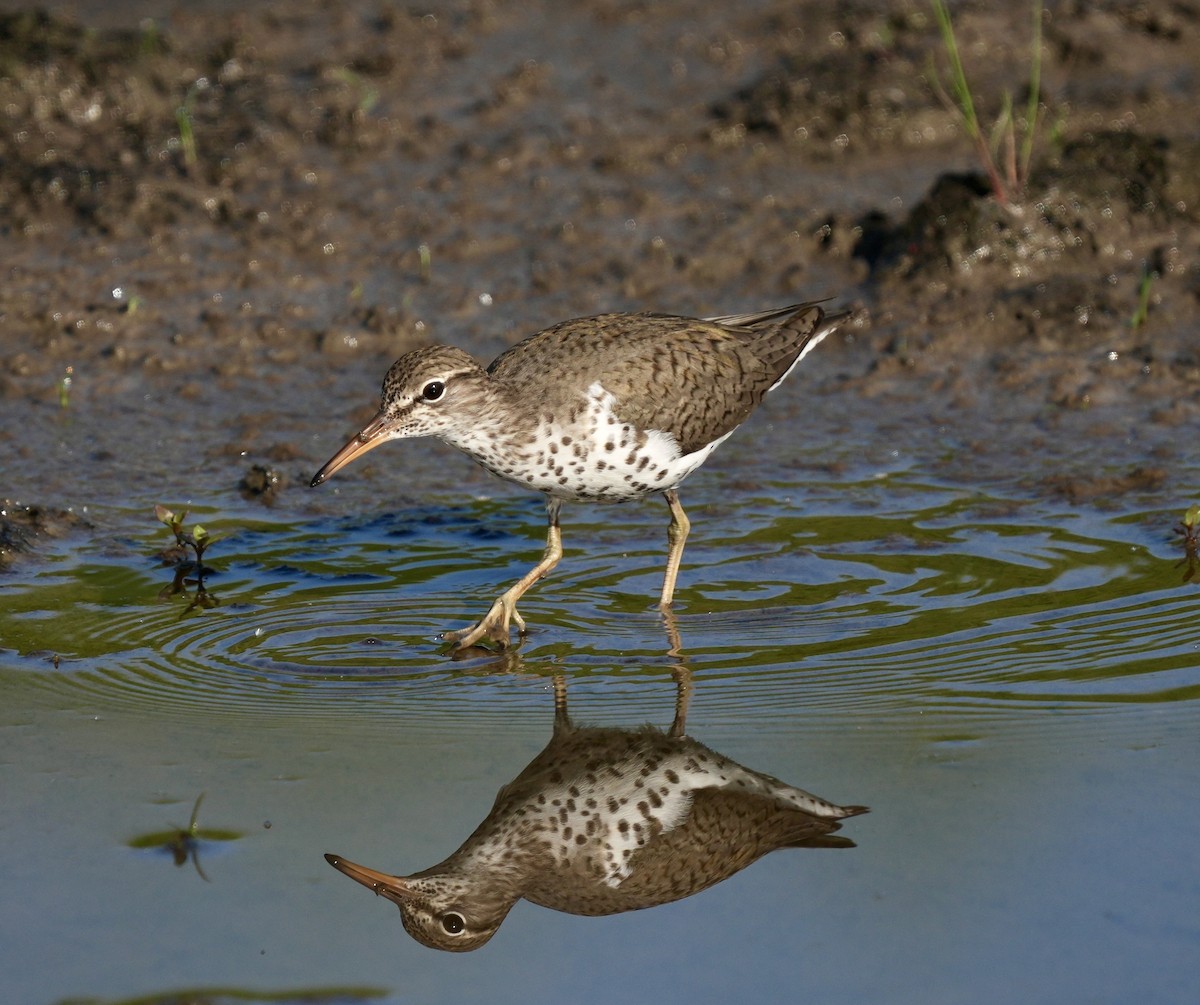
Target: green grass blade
x,y
958,76
1035,90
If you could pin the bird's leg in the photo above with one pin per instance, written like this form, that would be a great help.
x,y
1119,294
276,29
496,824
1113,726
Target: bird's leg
x,y
682,675
494,625
680,672
676,538
562,720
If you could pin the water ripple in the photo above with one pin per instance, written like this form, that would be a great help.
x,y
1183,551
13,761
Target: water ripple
x,y
947,602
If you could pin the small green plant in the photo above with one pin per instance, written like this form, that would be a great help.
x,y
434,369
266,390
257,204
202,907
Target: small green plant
x,y
1189,529
187,138
1142,311
183,121
183,843
195,541
1007,181
150,40
64,387
426,258
368,96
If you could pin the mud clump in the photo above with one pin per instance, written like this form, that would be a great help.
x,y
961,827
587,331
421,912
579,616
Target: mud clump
x,y
263,483
23,528
1077,490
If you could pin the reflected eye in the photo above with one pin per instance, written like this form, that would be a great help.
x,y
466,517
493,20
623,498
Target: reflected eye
x,y
433,390
452,923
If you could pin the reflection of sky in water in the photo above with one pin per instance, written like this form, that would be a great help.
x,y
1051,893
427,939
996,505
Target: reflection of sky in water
x,y
1008,686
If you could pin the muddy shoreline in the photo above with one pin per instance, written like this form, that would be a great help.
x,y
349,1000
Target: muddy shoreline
x,y
221,225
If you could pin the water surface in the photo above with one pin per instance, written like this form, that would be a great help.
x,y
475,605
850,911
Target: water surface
x,y
1009,683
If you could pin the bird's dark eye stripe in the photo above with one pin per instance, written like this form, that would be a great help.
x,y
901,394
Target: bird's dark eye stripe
x,y
433,390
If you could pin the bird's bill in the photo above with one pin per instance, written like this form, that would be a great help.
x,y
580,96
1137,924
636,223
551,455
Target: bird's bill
x,y
373,434
379,883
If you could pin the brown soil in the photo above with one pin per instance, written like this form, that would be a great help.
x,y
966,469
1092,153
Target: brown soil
x,y
223,223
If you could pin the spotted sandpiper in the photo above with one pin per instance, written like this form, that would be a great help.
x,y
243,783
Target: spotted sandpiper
x,y
607,408
602,821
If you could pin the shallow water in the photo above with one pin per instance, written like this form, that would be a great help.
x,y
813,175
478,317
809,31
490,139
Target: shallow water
x,y
1009,683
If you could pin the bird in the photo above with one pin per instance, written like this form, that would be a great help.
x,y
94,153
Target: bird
x,y
605,820
609,408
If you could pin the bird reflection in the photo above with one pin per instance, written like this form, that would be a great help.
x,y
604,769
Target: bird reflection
x,y
606,820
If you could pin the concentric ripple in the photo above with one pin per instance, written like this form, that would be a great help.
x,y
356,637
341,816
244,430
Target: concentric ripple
x,y
949,601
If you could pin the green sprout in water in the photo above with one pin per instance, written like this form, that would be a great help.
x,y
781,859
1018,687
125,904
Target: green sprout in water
x,y
1011,181
1189,530
196,541
183,843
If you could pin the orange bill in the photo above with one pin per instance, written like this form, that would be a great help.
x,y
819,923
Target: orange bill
x,y
373,434
380,883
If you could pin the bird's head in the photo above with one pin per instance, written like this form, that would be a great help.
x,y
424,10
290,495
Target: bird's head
x,y
438,909
423,395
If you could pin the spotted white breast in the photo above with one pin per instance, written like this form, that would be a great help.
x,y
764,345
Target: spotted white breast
x,y
594,455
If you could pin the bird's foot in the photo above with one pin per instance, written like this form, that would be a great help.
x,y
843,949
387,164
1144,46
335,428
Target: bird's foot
x,y
493,627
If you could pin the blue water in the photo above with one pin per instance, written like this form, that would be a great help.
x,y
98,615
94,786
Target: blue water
x,y
1010,684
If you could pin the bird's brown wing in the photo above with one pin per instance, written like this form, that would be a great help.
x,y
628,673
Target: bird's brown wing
x,y
725,831
694,379
710,375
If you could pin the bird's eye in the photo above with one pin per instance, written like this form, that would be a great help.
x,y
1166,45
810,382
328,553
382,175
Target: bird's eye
x,y
433,390
452,923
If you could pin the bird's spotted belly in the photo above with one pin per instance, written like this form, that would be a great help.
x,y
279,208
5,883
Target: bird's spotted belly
x,y
591,454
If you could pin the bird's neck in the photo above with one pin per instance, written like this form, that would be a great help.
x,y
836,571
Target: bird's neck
x,y
487,427
498,860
